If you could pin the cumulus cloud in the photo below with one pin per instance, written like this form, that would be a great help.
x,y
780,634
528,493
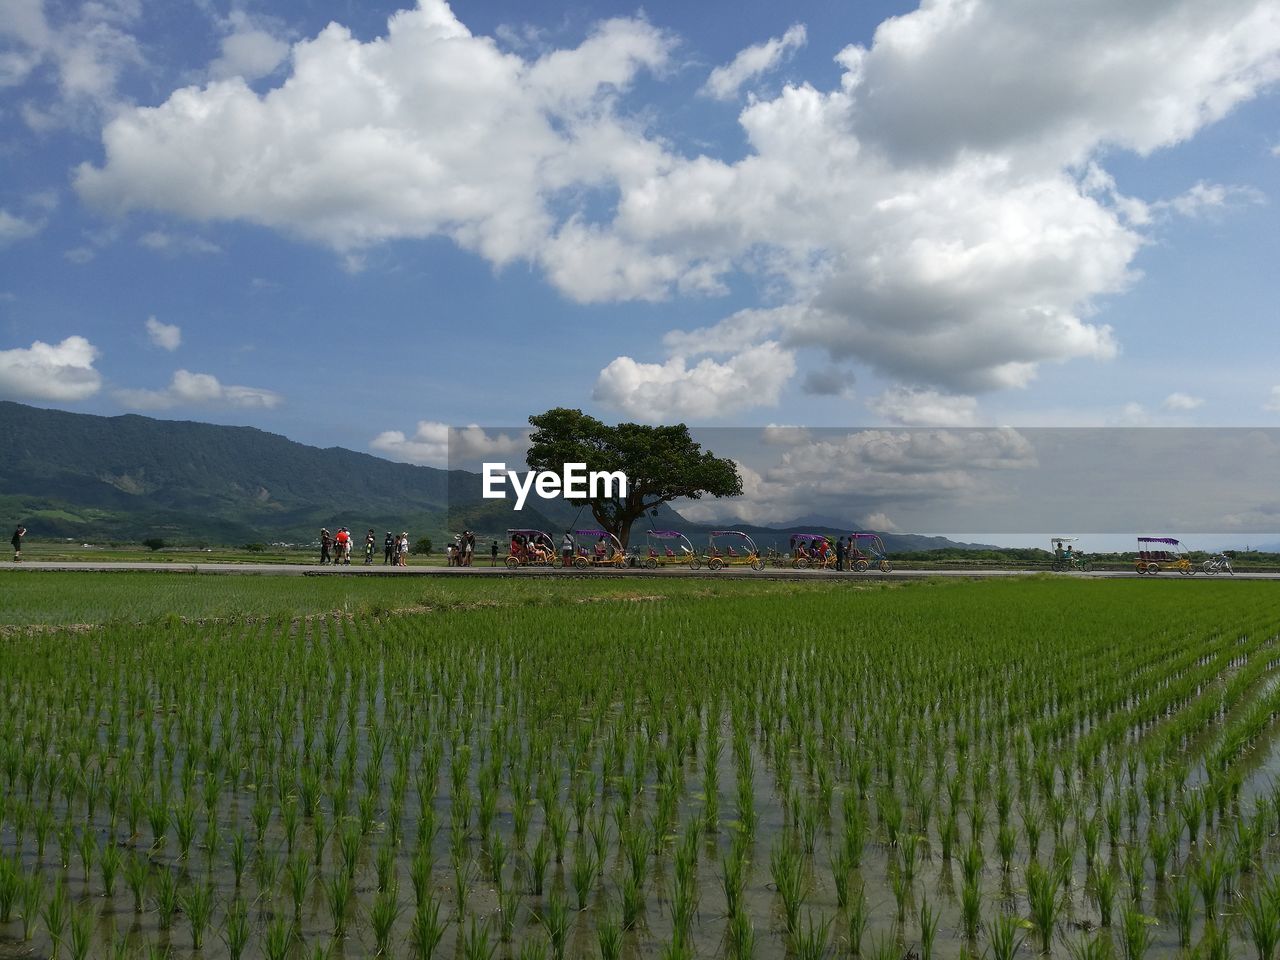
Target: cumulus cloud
x,y
880,521
915,407
725,81
60,372
709,389
869,472
1210,199
87,48
166,336
428,130
188,389
251,47
439,445
172,244
14,228
940,214
1182,402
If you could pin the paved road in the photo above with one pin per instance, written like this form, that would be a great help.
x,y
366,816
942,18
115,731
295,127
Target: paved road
x,y
772,573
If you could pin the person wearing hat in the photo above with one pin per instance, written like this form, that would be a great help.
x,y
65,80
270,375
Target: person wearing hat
x,y
388,548
326,543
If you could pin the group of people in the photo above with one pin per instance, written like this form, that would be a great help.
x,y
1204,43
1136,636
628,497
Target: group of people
x,y
335,548
819,551
462,550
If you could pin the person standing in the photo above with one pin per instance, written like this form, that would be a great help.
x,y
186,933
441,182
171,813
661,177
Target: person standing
x,y
404,548
388,548
370,542
566,550
18,534
471,546
326,544
493,553
840,553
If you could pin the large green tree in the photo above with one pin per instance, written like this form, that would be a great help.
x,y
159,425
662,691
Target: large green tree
x,y
661,463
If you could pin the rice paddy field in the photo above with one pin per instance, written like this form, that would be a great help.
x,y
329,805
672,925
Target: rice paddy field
x,y
243,767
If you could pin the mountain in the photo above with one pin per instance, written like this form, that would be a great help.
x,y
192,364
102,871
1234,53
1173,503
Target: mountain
x,y
130,477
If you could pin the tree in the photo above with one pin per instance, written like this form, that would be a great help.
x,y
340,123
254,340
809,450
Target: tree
x,y
421,547
154,543
661,463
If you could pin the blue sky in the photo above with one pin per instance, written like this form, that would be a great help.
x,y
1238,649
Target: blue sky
x,y
350,222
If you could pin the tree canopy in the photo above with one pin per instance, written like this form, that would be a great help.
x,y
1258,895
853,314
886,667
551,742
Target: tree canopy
x,y
661,463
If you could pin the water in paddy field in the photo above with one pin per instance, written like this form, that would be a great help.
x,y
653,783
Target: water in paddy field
x,y
881,758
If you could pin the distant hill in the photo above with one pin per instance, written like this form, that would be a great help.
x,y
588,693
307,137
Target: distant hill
x,y
130,477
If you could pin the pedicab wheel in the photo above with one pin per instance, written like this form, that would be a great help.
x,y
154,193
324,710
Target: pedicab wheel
x,y
797,563
512,563
1086,565
1153,568
1056,566
886,566
1187,571
580,562
757,565
651,563
695,563
715,563
861,566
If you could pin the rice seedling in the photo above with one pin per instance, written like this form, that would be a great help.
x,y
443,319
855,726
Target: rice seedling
x,y
197,904
54,914
426,929
236,928
80,931
1104,891
1261,914
928,929
279,939
555,920
787,870
858,917
383,915
1182,903
1004,937
338,891
1045,901
971,908
1135,933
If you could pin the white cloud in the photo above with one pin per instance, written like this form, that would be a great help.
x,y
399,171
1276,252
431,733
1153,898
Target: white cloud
x,y
782,435
167,336
725,81
14,228
1273,404
87,46
868,472
917,407
1210,199
61,372
188,389
428,130
656,392
880,521
1182,402
162,241
940,215
439,445
251,48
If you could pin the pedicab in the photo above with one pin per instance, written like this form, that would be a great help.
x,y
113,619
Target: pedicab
x,y
813,550
529,548
739,550
1162,553
597,548
1066,557
665,548
867,550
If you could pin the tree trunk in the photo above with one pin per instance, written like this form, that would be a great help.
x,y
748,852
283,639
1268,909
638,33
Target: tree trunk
x,y
624,532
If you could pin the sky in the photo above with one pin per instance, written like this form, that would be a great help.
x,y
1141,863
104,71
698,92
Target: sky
x,y
353,224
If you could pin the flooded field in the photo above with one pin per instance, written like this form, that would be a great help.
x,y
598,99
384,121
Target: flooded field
x,y
941,770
